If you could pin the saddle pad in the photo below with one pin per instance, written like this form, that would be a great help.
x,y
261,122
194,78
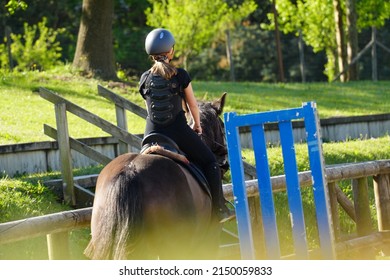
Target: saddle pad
x,y
183,161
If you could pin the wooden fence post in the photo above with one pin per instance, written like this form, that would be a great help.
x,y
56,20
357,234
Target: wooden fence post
x,y
257,226
65,154
363,215
362,206
58,245
382,200
121,121
334,207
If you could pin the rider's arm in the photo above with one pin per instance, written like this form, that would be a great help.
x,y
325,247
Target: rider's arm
x,y
193,105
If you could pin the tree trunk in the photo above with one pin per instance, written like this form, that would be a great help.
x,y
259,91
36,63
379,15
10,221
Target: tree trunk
x,y
301,56
94,51
230,56
352,39
374,56
9,53
278,45
340,38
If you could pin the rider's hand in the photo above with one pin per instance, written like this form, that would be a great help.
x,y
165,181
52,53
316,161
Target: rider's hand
x,y
197,129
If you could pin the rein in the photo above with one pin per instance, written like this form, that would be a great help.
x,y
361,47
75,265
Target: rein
x,y
212,140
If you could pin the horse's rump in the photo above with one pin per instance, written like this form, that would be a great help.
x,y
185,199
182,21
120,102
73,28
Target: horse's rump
x,y
147,206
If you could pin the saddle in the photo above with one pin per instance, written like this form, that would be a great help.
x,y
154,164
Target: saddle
x,y
157,143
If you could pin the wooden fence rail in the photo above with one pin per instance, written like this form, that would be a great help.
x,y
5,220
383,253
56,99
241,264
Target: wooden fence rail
x,y
90,117
61,106
121,105
55,226
122,102
368,235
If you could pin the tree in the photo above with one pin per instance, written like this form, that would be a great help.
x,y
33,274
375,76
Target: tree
x,y
316,20
94,54
278,44
352,40
232,19
8,9
340,38
196,24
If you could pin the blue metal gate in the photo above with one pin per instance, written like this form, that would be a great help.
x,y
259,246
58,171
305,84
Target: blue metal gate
x,y
284,119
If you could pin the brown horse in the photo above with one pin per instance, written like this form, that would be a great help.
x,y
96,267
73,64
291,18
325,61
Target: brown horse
x,y
149,206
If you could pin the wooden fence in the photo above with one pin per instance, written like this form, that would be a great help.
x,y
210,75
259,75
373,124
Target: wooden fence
x,y
368,235
41,157
127,141
361,177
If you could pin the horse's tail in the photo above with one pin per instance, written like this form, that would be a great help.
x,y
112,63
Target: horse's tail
x,y
120,220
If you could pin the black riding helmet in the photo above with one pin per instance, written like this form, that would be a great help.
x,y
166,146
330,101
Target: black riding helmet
x,y
159,41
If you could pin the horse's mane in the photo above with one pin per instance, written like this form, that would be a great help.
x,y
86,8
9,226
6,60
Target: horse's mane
x,y
207,111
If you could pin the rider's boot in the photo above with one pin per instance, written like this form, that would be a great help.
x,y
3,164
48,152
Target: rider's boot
x,y
213,175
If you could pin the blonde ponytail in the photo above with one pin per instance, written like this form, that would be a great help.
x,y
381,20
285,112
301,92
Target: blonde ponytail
x,y
162,68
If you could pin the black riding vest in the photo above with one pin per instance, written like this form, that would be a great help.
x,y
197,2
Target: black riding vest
x,y
163,99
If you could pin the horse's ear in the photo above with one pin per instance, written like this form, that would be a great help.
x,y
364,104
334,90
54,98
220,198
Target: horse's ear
x,y
220,103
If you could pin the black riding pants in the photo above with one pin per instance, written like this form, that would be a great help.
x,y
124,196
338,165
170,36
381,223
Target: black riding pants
x,y
196,151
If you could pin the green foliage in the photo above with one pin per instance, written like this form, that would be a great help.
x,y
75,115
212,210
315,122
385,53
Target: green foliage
x,y
315,19
252,61
316,22
4,62
195,24
254,56
211,58
130,50
372,13
36,49
13,5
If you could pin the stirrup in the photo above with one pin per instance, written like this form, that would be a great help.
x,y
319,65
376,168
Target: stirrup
x,y
225,215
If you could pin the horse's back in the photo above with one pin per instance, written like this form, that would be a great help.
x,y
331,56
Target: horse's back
x,y
153,193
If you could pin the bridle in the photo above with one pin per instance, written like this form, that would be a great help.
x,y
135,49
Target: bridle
x,y
218,149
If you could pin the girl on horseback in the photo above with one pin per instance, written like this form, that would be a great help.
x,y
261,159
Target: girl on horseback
x,y
164,88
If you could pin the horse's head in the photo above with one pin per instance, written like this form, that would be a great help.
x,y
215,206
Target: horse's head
x,y
213,130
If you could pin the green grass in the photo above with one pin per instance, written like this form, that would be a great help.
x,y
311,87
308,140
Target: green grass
x,y
26,196
333,99
352,151
20,199
23,112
